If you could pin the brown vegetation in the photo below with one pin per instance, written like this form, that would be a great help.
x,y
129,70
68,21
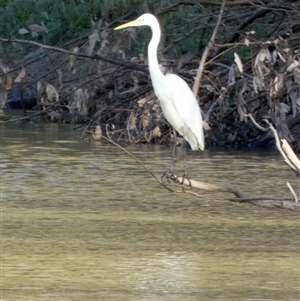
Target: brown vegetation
x,y
253,67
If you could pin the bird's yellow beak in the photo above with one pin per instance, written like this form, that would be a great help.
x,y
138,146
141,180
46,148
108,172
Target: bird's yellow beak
x,y
129,24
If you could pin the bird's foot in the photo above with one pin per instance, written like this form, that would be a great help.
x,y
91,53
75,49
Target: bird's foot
x,y
169,175
183,178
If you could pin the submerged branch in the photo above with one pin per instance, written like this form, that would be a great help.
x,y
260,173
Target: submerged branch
x,y
240,196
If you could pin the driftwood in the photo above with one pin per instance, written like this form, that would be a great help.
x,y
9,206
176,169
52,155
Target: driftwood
x,y
240,196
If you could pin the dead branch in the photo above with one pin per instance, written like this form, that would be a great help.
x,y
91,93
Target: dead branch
x,y
285,150
211,3
117,62
207,50
240,196
258,14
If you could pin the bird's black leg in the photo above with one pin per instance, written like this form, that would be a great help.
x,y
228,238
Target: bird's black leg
x,y
174,150
170,172
184,176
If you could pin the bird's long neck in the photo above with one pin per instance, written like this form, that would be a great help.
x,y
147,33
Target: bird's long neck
x,y
154,69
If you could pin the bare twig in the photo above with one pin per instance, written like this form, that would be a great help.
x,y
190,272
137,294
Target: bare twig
x,y
256,124
209,3
292,191
207,50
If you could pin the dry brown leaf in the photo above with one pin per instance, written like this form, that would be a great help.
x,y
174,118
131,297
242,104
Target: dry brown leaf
x,y
241,113
145,120
289,85
6,82
93,23
274,56
262,57
132,33
104,42
209,88
104,34
39,87
3,67
21,75
23,31
135,60
280,56
156,107
142,102
122,54
142,57
96,136
116,47
241,102
250,32
296,76
36,29
294,96
258,83
284,108
79,102
130,125
238,62
93,38
292,66
52,93
156,132
231,74
72,59
231,137
206,126
276,87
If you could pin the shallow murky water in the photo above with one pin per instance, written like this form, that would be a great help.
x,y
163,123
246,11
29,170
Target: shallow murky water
x,y
84,221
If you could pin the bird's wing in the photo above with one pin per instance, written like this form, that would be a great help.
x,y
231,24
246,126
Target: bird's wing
x,y
184,100
187,107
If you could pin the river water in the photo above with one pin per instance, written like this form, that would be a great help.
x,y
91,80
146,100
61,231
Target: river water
x,y
84,221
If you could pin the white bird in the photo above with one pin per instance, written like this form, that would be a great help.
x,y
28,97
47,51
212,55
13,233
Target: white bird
x,y
178,103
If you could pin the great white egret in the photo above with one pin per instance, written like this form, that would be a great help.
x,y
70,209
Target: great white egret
x,y
178,103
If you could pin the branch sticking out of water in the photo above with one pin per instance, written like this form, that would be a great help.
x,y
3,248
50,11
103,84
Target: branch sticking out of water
x,y
240,196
